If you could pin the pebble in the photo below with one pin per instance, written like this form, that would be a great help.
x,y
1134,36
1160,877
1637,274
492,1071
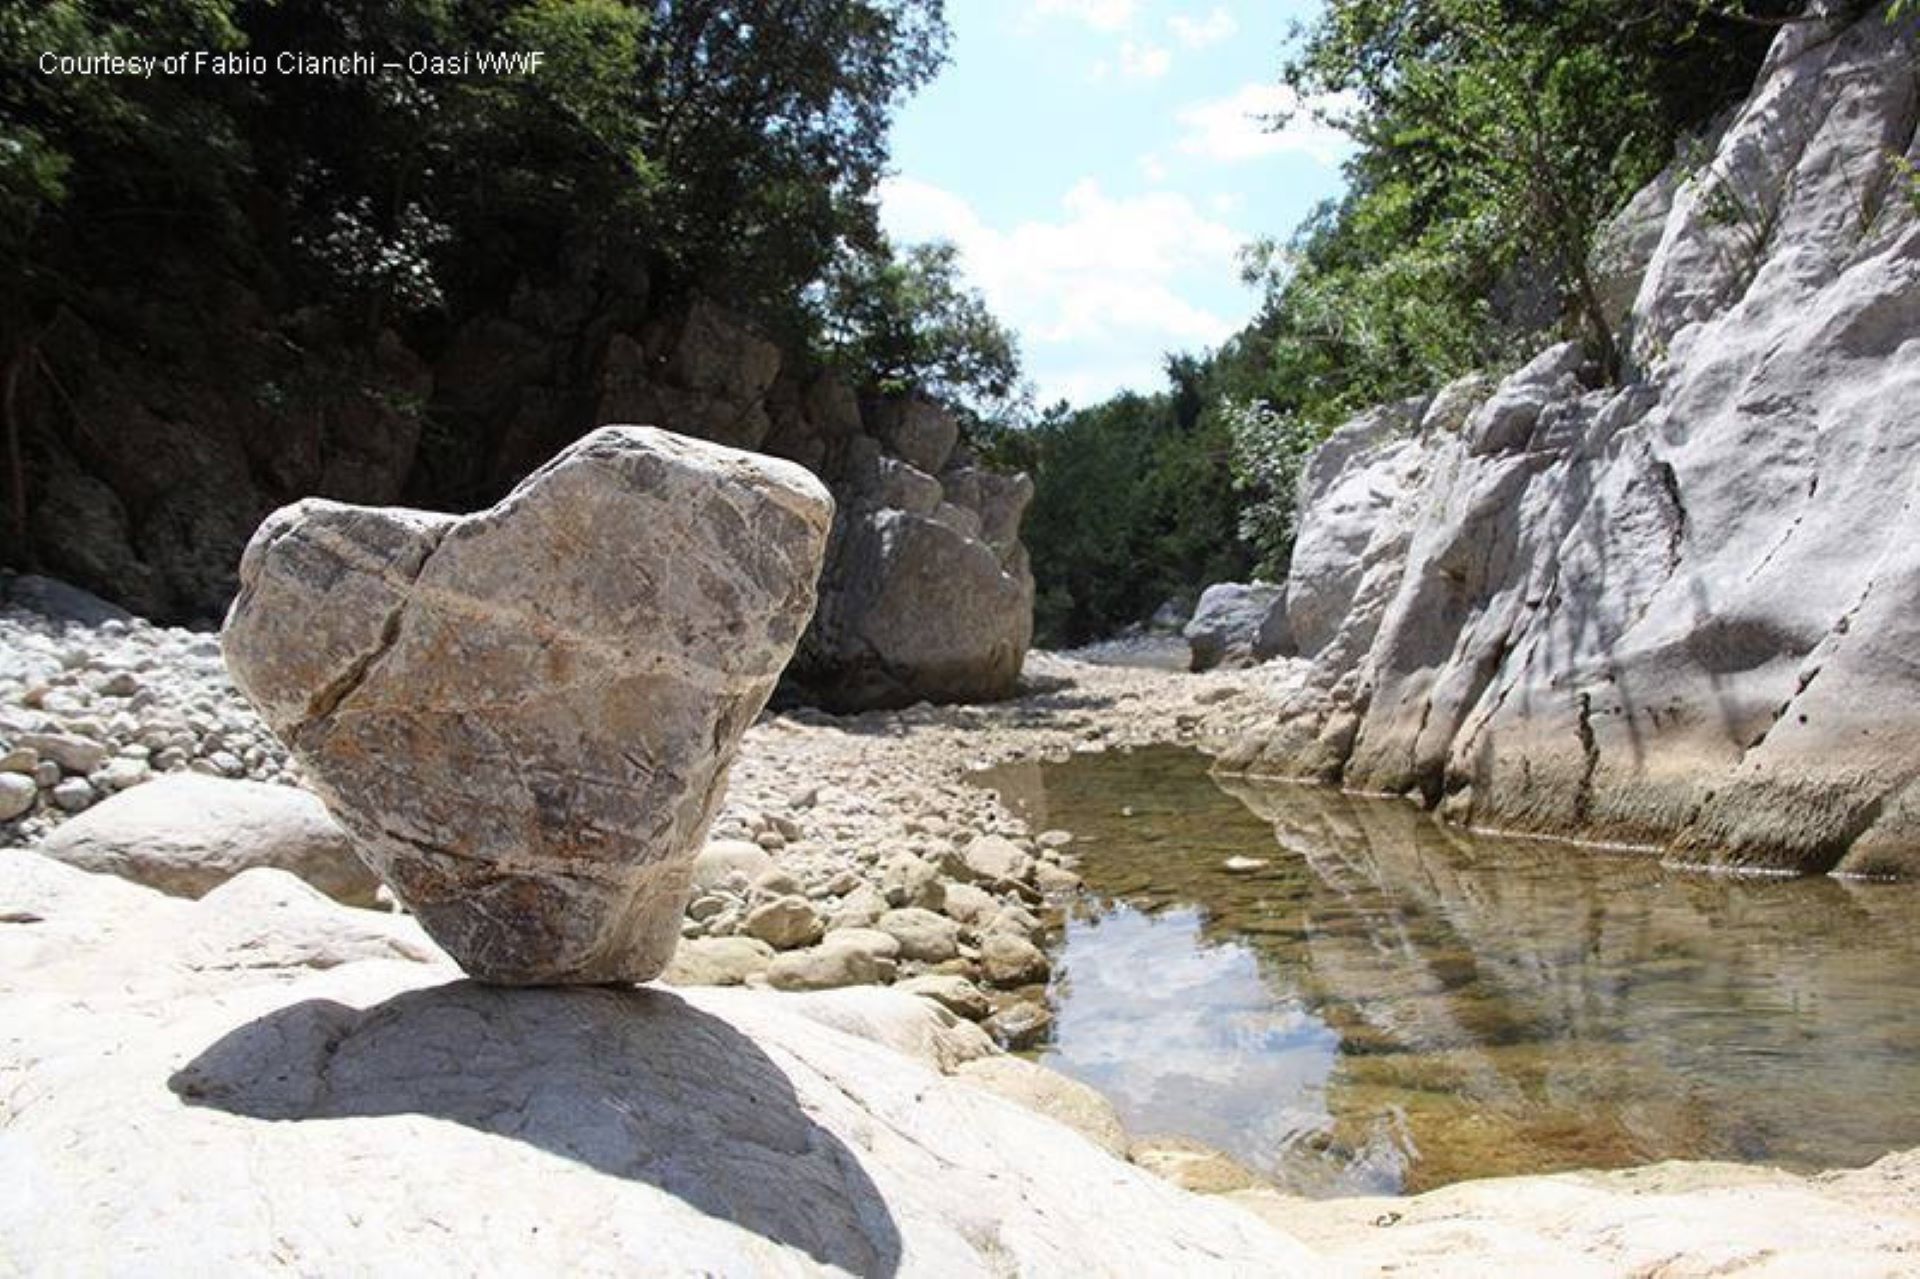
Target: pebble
x,y
954,993
1009,959
785,923
74,794
827,967
17,795
923,936
1020,1024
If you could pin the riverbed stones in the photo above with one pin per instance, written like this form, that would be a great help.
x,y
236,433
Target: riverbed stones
x,y
717,961
859,908
74,794
952,992
1019,1024
723,861
969,903
846,957
909,880
524,717
1055,881
73,753
17,793
992,859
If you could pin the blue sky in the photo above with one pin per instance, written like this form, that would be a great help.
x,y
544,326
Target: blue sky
x,y
1099,163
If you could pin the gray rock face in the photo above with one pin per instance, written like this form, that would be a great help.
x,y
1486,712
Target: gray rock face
x,y
524,717
923,607
924,434
1678,612
187,834
1238,625
184,459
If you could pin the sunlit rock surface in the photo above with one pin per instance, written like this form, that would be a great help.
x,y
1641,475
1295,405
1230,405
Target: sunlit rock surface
x,y
265,1081
1682,611
524,717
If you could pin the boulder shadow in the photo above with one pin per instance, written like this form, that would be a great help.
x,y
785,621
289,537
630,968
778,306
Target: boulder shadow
x,y
634,1083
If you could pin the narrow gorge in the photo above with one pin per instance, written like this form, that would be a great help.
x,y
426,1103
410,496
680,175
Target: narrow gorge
x,y
582,717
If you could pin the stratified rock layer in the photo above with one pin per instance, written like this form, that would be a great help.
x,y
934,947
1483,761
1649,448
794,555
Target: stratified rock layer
x,y
1680,611
524,717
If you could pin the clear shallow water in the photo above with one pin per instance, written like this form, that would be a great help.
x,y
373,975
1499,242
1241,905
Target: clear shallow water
x,y
1389,1004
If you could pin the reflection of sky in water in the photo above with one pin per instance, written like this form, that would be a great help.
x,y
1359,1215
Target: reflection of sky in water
x,y
1387,1002
1154,1016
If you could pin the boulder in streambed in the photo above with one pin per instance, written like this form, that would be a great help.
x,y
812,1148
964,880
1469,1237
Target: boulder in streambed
x,y
524,717
1239,625
187,833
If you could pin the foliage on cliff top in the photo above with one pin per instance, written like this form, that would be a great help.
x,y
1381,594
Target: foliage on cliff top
x,y
906,321
665,148
1495,137
739,144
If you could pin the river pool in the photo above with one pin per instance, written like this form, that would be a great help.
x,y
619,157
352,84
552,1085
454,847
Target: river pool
x,y
1386,1004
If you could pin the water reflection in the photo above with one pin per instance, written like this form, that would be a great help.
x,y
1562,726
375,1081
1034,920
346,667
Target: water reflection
x,y
1388,1003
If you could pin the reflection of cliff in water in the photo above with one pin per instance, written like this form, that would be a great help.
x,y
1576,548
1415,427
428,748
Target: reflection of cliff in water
x,y
1414,1004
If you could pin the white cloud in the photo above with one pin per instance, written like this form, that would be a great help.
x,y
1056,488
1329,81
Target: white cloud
x,y
1237,127
1095,294
1199,33
1144,61
1153,167
1102,15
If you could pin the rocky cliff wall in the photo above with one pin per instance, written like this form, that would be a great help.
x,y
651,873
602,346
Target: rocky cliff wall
x,y
156,436
1684,611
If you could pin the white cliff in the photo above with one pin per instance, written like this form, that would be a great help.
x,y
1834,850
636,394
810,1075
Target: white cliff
x,y
1679,611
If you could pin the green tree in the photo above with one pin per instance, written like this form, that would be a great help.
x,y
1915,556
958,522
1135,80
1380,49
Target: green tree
x,y
904,321
1133,503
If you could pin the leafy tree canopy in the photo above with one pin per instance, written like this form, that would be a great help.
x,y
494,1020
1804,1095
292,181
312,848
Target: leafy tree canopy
x,y
907,320
734,148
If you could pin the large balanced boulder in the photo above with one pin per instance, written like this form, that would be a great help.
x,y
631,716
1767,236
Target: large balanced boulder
x,y
1237,624
524,717
187,834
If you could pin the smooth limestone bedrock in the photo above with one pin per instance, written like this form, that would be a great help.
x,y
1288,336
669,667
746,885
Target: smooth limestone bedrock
x,y
524,717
